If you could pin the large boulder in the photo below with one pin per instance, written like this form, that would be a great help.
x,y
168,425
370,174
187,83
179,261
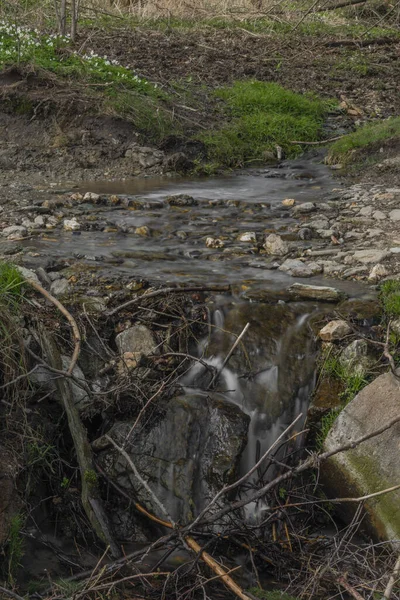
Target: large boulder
x,y
186,457
373,465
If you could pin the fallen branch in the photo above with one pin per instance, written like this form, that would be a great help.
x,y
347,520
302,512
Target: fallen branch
x,y
349,589
312,462
10,594
392,581
193,545
90,495
169,290
69,317
321,143
341,5
228,356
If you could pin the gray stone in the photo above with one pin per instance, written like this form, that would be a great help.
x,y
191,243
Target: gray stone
x,y
15,231
305,208
355,357
138,339
335,330
60,287
377,272
318,224
72,224
316,292
366,211
370,256
394,215
373,465
379,215
186,458
275,245
27,273
91,197
326,233
44,380
296,268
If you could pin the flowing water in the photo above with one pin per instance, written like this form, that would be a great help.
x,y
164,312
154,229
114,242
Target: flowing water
x,y
175,250
271,375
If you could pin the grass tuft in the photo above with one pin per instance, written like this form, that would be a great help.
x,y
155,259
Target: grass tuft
x,y
11,282
345,150
263,115
390,298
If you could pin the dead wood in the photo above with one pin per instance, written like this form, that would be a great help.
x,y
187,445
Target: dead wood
x,y
170,290
90,495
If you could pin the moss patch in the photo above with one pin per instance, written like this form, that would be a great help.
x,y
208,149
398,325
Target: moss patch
x,y
260,117
349,147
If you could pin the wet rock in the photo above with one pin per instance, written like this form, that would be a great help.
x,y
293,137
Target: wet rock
x,y
214,243
60,287
14,232
248,236
377,272
51,222
335,330
208,437
275,245
372,465
71,224
316,292
10,502
181,200
182,235
143,231
138,339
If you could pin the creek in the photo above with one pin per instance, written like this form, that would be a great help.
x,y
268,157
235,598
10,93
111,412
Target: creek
x,y
271,375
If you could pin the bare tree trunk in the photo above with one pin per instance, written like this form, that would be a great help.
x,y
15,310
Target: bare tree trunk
x,y
63,17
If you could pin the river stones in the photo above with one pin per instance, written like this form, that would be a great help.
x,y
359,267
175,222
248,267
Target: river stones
x,y
185,458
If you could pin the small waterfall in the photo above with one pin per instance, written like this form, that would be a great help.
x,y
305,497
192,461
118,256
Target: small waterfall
x,y
270,377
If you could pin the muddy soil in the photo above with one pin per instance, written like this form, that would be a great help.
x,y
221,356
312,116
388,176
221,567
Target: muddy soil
x,y
55,130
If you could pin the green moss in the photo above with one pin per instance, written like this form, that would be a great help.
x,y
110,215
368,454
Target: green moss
x,y
384,511
346,149
260,116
